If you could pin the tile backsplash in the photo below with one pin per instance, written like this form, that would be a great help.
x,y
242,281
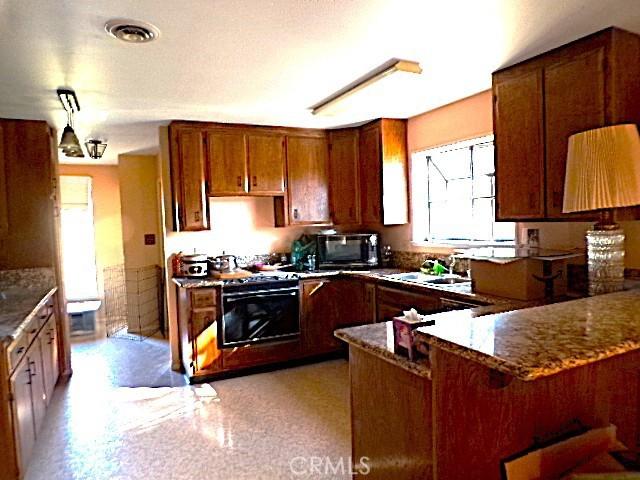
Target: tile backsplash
x,y
413,260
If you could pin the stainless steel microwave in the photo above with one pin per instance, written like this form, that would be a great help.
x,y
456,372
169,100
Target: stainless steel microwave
x,y
350,250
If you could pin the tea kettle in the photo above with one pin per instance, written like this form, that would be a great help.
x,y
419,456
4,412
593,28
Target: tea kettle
x,y
224,263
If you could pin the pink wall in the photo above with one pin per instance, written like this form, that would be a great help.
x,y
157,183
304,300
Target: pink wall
x,y
467,118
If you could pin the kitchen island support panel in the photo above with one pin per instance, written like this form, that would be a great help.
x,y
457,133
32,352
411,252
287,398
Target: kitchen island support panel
x,y
479,422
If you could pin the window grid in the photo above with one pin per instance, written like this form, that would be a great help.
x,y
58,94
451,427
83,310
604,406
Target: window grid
x,y
433,169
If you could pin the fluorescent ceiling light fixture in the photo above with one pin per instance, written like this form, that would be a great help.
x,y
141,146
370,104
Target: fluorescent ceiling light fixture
x,y
393,71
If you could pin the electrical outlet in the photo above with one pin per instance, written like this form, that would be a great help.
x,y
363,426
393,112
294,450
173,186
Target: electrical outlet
x,y
532,237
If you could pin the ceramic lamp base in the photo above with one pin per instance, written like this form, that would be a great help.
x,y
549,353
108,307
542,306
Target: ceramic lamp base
x,y
605,253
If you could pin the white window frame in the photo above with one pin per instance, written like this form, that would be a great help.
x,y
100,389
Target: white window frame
x,y
420,200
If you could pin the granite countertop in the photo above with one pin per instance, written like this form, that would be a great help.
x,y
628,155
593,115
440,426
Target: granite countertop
x,y
205,282
377,339
536,342
17,307
460,291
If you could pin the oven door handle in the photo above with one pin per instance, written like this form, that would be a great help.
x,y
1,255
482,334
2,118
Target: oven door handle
x,y
260,295
256,292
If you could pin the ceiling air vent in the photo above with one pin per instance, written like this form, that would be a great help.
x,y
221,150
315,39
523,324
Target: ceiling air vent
x,y
131,31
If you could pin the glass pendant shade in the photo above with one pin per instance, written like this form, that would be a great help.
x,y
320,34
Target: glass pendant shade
x,y
69,139
73,152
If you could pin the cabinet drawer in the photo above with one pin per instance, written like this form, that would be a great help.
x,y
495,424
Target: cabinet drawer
x,y
16,351
260,354
204,298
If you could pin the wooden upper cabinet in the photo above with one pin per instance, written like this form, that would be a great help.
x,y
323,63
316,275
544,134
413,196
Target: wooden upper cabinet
x,y
227,161
519,141
370,174
188,179
539,103
4,214
307,172
574,102
344,181
384,172
395,197
266,164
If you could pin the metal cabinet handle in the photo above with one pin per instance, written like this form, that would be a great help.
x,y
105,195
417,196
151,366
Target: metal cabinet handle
x,y
20,350
196,216
32,372
316,288
295,213
255,181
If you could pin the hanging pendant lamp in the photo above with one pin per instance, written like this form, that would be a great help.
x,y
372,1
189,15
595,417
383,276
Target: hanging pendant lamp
x,y
95,148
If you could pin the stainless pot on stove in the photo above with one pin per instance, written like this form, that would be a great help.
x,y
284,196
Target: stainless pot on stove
x,y
224,263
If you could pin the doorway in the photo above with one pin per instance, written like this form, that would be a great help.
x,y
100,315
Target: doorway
x,y
79,266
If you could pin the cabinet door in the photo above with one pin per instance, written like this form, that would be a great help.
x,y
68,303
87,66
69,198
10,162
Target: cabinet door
x,y
227,159
574,101
395,197
307,159
188,179
344,191
204,339
519,143
38,392
370,175
266,164
22,412
326,306
49,347
320,314
4,216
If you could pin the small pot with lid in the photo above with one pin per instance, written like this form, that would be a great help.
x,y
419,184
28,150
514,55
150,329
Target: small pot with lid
x,y
224,263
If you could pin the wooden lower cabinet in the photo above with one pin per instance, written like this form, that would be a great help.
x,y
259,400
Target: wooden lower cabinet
x,y
325,305
391,423
22,411
261,354
329,304
391,302
198,317
30,368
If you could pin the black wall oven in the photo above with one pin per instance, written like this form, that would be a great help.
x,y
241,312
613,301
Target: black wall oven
x,y
259,312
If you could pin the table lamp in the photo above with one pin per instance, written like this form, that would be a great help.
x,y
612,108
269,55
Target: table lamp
x,y
603,173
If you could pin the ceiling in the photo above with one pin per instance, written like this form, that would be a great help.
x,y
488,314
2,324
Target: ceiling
x,y
266,62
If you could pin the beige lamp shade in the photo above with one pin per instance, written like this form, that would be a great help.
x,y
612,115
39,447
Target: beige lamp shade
x,y
603,169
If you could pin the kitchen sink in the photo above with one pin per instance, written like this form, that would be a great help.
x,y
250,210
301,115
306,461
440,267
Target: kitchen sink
x,y
448,281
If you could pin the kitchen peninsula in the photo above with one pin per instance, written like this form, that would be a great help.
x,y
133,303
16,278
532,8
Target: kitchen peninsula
x,y
497,385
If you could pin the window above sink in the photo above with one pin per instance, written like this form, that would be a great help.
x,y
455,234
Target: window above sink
x,y
453,196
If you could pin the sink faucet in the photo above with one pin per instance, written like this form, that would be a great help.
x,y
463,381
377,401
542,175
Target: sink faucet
x,y
452,263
